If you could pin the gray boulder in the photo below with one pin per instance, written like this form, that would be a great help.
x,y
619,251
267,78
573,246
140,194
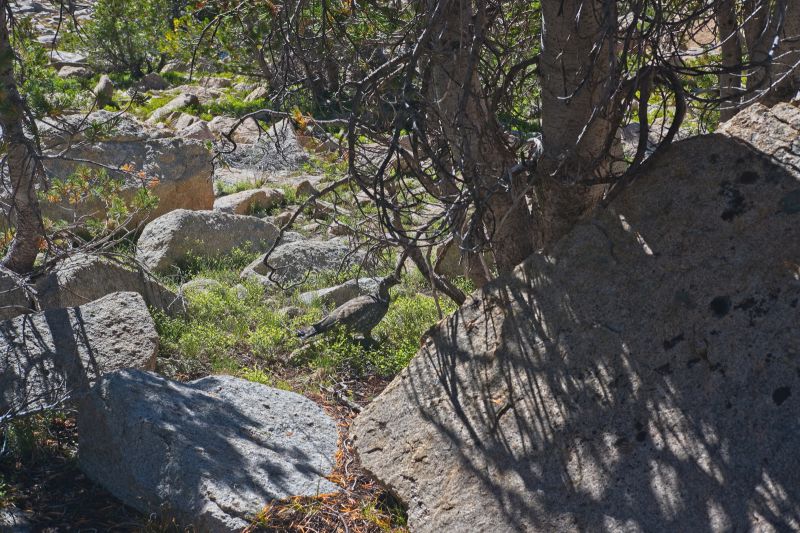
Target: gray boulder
x,y
74,72
247,132
172,239
60,59
83,278
339,294
44,355
104,91
154,82
198,130
210,453
215,83
242,203
295,260
645,376
13,300
179,171
200,285
180,102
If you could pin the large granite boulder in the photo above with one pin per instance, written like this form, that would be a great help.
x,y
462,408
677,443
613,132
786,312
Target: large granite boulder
x,y
645,376
178,171
294,261
173,239
45,355
210,453
83,278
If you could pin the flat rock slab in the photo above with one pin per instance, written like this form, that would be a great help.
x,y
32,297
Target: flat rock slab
x,y
644,376
210,453
44,355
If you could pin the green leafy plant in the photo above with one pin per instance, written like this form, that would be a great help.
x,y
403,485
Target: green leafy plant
x,y
130,36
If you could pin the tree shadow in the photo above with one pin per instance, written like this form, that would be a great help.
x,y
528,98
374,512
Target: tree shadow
x,y
209,452
645,377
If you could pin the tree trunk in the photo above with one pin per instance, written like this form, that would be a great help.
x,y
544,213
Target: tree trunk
x,y
21,161
730,82
472,133
775,65
576,65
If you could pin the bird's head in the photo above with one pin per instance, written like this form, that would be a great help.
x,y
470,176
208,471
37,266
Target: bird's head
x,y
387,283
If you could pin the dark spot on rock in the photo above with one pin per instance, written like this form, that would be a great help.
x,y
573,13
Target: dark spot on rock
x,y
620,442
713,158
684,298
748,177
728,404
638,425
671,343
693,361
790,203
734,199
781,394
717,366
664,369
720,306
794,303
740,161
641,436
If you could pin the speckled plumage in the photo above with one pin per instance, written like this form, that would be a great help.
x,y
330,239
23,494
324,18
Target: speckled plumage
x,y
359,315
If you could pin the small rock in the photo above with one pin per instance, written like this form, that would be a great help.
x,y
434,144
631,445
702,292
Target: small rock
x,y
61,59
283,218
180,102
305,189
175,65
154,82
248,132
259,93
199,286
323,209
209,453
183,121
245,202
104,91
68,71
215,83
336,296
198,131
291,311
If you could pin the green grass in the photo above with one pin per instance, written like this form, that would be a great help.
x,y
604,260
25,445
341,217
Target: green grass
x,y
239,329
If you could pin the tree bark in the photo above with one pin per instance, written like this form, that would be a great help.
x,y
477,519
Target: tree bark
x,y
21,160
473,134
730,82
577,66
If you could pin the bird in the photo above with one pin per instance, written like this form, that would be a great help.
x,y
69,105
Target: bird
x,y
359,315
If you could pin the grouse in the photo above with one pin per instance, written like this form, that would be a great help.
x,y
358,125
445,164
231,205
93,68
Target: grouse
x,y
358,315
